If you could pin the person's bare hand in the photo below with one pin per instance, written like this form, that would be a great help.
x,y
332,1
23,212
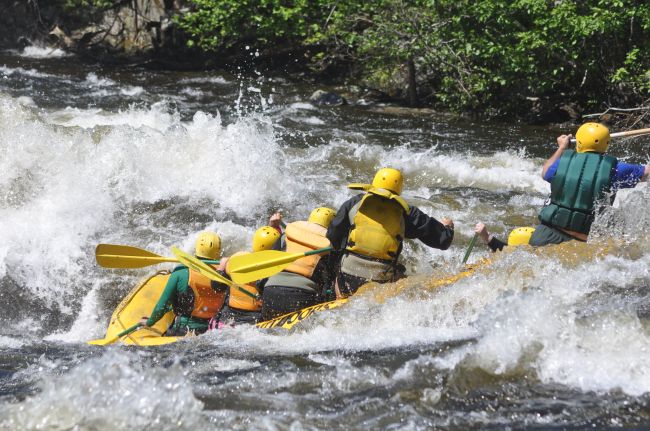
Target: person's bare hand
x,y
563,141
275,220
223,263
447,222
481,230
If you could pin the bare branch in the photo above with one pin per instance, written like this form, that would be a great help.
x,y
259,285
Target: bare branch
x,y
642,108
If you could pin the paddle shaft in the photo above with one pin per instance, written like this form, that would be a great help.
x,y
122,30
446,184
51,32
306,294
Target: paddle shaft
x,y
469,249
626,134
280,261
319,251
202,268
105,342
156,259
129,257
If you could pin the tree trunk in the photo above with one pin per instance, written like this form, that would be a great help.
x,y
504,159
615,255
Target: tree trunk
x,y
412,85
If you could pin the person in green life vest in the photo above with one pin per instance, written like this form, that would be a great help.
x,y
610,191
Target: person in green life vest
x,y
244,303
308,280
369,228
581,180
194,298
518,236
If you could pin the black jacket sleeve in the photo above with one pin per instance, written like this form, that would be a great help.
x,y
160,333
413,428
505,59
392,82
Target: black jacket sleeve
x,y
339,228
428,230
496,244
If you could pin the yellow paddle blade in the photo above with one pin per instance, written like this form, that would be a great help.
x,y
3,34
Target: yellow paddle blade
x,y
288,321
256,266
200,267
125,256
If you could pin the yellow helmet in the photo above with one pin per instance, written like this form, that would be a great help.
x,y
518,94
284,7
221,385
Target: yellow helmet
x,y
592,137
520,235
208,245
264,238
389,179
322,216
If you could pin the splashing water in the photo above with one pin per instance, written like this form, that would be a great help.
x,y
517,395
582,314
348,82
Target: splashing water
x,y
551,337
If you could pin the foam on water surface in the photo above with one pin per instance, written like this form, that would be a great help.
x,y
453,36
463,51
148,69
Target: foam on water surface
x,y
113,391
148,176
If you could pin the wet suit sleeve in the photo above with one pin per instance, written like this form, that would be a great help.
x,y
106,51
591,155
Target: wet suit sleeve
x,y
165,301
259,284
323,274
428,230
339,228
219,287
496,244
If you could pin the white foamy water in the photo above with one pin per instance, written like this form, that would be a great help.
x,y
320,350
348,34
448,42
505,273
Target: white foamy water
x,y
112,392
43,52
71,178
10,342
204,80
31,73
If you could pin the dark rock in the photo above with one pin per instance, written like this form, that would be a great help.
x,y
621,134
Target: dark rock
x,y
324,98
58,38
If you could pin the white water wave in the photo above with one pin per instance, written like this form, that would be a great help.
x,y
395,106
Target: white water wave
x,y
43,52
32,73
205,80
113,392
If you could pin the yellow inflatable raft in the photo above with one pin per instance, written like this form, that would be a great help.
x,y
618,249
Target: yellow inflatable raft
x,y
143,298
138,303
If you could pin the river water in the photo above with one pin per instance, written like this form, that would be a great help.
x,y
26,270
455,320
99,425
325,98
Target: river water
x,y
557,338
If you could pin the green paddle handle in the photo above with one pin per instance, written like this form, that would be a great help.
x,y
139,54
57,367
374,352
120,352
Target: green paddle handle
x,y
127,331
319,251
469,249
107,341
246,292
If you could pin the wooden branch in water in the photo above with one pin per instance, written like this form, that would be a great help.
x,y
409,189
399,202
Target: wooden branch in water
x,y
642,108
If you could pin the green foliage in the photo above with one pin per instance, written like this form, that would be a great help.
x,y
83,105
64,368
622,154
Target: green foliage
x,y
72,5
469,54
218,24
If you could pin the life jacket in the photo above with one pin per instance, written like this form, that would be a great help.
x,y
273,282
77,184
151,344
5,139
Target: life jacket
x,y
377,224
303,236
206,302
581,180
241,301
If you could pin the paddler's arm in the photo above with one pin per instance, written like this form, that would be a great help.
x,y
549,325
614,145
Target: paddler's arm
x,y
491,241
222,269
171,288
275,221
429,230
339,228
563,142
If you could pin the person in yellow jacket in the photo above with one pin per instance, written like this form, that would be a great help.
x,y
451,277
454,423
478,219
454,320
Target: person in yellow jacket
x,y
369,228
306,281
193,297
244,303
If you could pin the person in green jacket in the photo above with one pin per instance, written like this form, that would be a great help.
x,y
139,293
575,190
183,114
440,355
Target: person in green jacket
x,y
193,297
581,180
